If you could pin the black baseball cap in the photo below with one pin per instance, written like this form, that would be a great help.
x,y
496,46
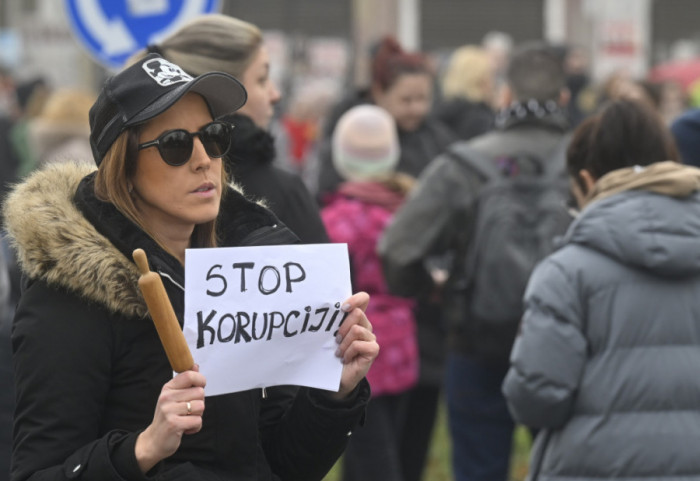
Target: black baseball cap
x,y
148,88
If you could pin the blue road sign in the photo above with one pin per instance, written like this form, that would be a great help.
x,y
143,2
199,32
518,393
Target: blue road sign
x,y
112,30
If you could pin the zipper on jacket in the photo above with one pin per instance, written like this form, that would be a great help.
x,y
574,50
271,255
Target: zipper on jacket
x,y
264,393
537,463
167,276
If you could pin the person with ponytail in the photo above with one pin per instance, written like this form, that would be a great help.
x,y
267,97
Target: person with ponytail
x,y
606,359
220,42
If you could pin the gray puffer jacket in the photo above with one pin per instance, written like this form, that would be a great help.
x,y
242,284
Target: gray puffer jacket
x,y
608,357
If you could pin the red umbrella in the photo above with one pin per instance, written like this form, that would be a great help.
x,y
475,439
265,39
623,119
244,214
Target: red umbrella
x,y
685,72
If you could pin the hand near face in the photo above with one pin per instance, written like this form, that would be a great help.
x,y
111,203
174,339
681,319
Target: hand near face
x,y
358,346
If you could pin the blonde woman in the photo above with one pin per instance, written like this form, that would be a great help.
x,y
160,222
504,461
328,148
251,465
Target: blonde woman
x,y
468,93
219,42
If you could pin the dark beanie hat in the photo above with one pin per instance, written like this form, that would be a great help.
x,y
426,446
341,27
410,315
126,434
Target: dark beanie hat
x,y
686,132
148,88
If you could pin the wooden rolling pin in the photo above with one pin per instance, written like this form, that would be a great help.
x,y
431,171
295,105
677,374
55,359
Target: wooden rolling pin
x,y
163,316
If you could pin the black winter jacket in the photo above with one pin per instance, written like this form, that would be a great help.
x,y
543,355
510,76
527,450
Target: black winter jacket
x,y
7,395
251,165
466,119
89,365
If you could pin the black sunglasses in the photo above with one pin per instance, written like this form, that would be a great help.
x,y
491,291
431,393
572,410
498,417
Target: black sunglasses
x,y
175,146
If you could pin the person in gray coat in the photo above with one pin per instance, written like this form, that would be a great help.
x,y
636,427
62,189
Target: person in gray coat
x,y
608,354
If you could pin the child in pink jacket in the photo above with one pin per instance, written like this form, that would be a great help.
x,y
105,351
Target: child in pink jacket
x,y
365,153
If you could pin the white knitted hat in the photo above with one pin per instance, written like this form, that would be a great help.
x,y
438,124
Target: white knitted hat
x,y
365,144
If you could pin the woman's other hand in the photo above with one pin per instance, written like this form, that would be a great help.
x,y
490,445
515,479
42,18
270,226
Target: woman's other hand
x,y
357,345
178,411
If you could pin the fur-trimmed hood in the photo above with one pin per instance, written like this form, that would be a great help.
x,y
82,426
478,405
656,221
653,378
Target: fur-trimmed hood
x,y
57,244
69,239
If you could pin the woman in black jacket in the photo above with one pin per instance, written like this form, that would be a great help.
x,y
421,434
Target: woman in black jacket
x,y
402,84
219,42
96,399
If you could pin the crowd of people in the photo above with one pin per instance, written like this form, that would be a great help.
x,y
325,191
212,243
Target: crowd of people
x,y
523,243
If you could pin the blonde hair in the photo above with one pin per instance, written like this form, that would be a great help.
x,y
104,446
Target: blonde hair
x,y
208,43
67,106
468,74
112,185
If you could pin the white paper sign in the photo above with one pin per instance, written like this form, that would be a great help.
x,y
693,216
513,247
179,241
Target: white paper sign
x,y
266,315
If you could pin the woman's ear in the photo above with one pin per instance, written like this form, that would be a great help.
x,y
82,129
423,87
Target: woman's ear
x,y
580,185
587,179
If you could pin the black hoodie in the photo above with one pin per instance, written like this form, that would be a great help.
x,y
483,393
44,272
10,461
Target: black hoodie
x,y
250,164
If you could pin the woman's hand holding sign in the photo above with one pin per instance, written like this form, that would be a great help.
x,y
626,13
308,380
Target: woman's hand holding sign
x,y
357,345
178,411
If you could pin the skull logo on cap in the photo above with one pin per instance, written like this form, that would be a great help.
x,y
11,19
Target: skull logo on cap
x,y
165,73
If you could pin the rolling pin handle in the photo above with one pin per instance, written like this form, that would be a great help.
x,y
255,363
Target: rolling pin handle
x,y
140,258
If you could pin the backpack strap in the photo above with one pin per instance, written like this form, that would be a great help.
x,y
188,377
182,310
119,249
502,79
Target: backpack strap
x,y
555,166
552,164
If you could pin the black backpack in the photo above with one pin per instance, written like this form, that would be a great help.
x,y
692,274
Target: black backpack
x,y
519,212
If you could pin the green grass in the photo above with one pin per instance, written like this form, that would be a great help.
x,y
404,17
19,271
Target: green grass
x,y
438,465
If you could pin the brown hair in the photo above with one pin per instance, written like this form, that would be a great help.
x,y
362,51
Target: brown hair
x,y
623,134
390,62
534,72
112,185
